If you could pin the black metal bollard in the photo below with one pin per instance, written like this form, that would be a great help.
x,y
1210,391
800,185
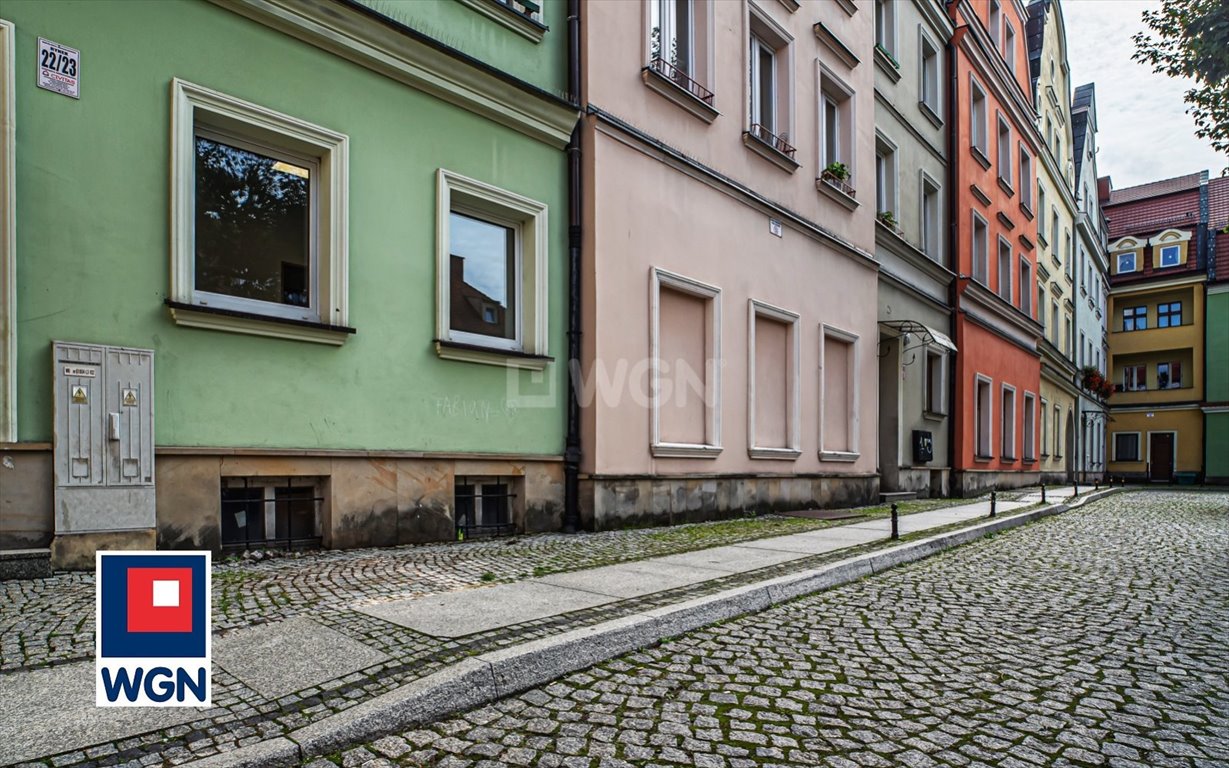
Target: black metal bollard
x,y
895,525
993,500
1096,485
1043,493
1075,488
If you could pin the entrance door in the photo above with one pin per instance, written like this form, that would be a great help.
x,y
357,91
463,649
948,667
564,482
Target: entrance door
x,y
1161,457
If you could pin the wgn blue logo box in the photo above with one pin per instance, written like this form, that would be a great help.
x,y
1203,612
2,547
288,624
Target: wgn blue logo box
x,y
152,643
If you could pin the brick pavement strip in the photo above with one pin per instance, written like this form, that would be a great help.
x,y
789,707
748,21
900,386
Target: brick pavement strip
x,y
1095,638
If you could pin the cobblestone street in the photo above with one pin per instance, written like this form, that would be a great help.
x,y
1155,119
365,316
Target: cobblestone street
x,y
1094,638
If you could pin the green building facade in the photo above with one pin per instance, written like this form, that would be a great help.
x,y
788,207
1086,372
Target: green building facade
x,y
1216,408
338,230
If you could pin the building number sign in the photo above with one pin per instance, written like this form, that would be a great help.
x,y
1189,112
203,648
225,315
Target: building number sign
x,y
59,68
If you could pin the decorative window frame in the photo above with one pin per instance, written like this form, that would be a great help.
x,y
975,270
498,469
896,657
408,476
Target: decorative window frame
x,y
193,105
926,180
8,233
852,385
757,309
1170,238
712,447
1007,452
980,150
453,189
1029,417
885,147
984,258
703,26
979,378
932,111
843,96
1004,248
928,391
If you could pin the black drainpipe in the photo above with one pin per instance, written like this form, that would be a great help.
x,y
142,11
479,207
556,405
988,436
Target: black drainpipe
x,y
953,261
571,452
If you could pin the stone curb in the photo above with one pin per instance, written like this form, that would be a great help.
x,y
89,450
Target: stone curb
x,y
497,674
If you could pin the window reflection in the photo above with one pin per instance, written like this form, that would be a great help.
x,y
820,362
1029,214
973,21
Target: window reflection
x,y
483,277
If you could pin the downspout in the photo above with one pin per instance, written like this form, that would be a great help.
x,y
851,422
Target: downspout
x,y
953,259
572,453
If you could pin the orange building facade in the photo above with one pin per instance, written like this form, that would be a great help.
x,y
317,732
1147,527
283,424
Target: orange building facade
x,y
997,379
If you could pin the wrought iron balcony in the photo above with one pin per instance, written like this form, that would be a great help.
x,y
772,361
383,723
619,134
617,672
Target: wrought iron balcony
x,y
680,78
779,143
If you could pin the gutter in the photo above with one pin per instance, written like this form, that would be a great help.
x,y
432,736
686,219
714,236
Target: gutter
x,y
953,260
572,446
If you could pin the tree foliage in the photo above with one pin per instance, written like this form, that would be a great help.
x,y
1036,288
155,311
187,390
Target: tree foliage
x,y
1190,38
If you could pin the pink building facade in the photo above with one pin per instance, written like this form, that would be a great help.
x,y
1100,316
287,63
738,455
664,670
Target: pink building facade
x,y
729,297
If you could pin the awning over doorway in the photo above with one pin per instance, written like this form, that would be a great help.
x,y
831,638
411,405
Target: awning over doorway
x,y
923,335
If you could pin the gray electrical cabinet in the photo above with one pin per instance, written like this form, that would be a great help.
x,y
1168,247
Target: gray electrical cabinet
x,y
104,438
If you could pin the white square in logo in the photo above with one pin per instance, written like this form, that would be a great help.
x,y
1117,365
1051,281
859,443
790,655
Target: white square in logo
x,y
166,594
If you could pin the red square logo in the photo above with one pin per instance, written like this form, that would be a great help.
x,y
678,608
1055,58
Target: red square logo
x,y
159,599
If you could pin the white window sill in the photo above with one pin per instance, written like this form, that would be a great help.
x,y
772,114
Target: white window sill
x,y
214,319
770,153
685,451
505,358
780,454
846,456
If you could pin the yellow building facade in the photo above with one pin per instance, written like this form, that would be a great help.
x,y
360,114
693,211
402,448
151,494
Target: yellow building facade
x,y
1156,359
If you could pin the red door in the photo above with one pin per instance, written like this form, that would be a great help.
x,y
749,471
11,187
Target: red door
x,y
1161,457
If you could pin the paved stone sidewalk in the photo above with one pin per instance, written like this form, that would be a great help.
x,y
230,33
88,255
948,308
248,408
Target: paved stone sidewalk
x,y
274,677
1094,638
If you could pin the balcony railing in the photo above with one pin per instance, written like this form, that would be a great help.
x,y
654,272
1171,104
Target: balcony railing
x,y
778,143
681,79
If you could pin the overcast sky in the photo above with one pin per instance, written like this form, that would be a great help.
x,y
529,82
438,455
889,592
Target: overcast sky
x,y
1144,131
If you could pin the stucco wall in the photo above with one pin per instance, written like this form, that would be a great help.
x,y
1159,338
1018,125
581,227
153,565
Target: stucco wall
x,y
93,179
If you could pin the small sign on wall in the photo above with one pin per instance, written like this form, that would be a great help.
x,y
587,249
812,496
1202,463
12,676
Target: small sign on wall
x,y
775,228
59,68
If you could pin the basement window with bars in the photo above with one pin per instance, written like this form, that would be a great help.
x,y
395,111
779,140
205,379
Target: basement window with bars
x,y
270,513
484,506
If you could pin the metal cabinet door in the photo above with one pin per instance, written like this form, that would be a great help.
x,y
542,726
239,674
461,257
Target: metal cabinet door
x,y
129,400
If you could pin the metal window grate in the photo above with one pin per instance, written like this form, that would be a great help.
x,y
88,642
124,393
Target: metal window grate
x,y
778,143
263,516
483,507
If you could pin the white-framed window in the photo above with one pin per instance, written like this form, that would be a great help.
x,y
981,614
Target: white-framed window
x,y
1045,429
770,86
1126,262
1041,208
982,416
836,123
1004,150
773,382
491,261
1005,270
1030,426
1009,45
1058,432
935,394
930,72
1026,286
885,176
995,25
1054,232
932,218
1170,255
685,353
978,118
1007,414
840,395
8,234
672,34
259,219
1026,178
981,250
885,25
1169,375
1041,306
1126,446
1054,328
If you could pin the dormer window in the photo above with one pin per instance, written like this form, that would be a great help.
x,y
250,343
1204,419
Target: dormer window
x,y
1126,262
1170,256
